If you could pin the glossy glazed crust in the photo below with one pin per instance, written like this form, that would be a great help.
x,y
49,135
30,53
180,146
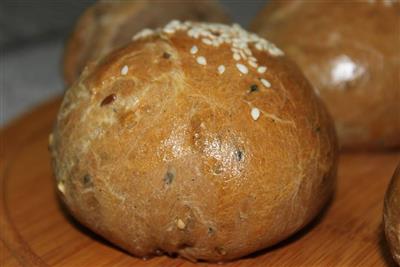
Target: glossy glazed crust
x,y
108,25
391,216
175,163
350,53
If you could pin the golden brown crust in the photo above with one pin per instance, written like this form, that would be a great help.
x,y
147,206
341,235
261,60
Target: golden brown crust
x,y
159,153
391,215
350,53
108,25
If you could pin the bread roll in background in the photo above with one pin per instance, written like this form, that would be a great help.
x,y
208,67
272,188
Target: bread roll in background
x,y
200,140
350,52
391,215
108,25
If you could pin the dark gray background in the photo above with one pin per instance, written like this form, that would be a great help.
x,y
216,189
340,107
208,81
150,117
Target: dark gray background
x,y
32,35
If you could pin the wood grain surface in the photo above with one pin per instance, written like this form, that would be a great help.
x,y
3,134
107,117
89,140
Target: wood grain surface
x,y
36,231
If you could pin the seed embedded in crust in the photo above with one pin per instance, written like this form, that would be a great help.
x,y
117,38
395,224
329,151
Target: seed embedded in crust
x,y
201,60
124,70
255,113
168,177
242,68
166,55
265,83
239,155
61,187
236,56
253,88
194,50
207,41
143,34
108,100
169,30
253,64
221,69
261,69
180,224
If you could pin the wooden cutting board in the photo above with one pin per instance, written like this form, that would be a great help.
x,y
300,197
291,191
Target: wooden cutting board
x,y
35,231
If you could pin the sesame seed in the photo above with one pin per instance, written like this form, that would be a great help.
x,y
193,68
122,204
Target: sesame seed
x,y
252,59
236,56
169,30
255,113
242,68
201,60
253,64
265,83
181,225
221,69
143,34
61,187
207,41
124,70
241,42
242,54
261,69
194,50
173,23
216,34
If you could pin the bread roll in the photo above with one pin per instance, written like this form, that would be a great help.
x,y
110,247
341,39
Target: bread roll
x,y
391,215
108,25
200,140
350,51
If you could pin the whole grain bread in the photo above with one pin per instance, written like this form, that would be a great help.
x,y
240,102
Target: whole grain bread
x,y
201,140
349,50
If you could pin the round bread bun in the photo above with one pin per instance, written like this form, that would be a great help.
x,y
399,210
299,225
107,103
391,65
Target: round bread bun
x,y
350,53
200,140
108,25
391,215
